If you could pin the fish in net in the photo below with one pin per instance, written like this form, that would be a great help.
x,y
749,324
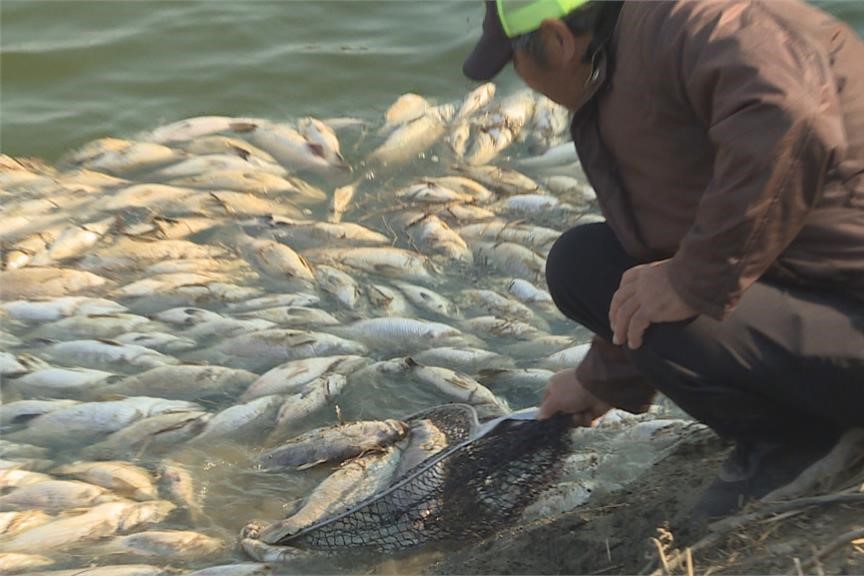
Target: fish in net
x,y
476,486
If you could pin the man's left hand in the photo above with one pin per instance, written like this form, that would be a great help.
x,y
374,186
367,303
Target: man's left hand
x,y
644,297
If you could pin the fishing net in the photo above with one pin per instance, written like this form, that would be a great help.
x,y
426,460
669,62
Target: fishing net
x,y
469,490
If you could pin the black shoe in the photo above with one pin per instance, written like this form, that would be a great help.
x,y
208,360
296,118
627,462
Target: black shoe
x,y
752,470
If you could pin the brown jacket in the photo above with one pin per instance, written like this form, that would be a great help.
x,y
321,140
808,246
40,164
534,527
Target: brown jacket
x,y
728,136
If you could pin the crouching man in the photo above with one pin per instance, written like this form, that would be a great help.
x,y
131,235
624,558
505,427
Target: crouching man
x,y
725,141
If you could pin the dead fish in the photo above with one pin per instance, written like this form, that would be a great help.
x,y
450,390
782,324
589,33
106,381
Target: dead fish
x,y
536,237
294,375
12,413
193,128
55,495
29,283
218,144
491,302
318,133
90,326
434,236
386,301
276,259
294,316
459,387
11,365
499,178
157,197
353,482
241,421
273,300
13,562
302,234
61,382
269,347
206,164
409,140
400,333
333,444
290,148
429,300
336,282
153,434
10,479
159,341
73,242
464,359
300,406
97,353
476,100
183,382
528,292
394,262
340,201
404,109
177,481
162,543
119,476
163,284
535,203
562,154
119,157
89,420
568,358
238,181
130,254
511,258
14,522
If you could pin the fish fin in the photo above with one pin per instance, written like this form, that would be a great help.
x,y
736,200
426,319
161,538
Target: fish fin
x,y
311,464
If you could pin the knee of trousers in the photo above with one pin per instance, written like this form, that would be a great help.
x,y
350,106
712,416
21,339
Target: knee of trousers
x,y
573,257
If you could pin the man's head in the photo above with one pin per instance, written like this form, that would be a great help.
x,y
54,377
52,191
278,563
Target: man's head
x,y
551,44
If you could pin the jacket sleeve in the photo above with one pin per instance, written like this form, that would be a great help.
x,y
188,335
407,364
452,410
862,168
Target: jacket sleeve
x,y
607,373
768,101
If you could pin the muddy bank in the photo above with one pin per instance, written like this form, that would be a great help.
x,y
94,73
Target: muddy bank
x,y
612,533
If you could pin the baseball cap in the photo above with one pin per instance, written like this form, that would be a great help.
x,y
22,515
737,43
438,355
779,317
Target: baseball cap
x,y
506,19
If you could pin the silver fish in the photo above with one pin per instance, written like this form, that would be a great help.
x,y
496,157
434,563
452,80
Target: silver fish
x,y
121,477
294,375
353,482
171,543
333,444
298,407
55,495
184,382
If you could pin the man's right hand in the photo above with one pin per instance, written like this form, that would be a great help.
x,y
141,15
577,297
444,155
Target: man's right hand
x,y
566,394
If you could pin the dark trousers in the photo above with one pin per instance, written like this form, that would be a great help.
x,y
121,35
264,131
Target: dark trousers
x,y
787,363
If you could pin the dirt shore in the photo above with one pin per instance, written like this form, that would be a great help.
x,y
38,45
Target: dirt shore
x,y
640,529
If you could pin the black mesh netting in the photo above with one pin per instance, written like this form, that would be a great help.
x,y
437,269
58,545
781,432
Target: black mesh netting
x,y
467,491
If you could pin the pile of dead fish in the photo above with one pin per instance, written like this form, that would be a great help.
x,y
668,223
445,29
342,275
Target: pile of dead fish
x,y
200,322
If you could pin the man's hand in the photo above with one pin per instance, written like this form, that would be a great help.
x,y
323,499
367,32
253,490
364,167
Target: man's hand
x,y
644,297
564,393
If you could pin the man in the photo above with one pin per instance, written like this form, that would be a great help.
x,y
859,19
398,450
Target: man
x,y
725,141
